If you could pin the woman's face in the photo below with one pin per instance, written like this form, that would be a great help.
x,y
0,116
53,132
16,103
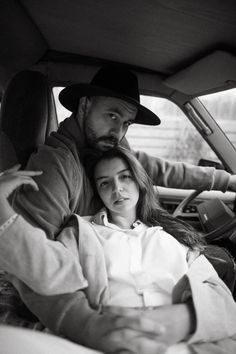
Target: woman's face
x,y
116,186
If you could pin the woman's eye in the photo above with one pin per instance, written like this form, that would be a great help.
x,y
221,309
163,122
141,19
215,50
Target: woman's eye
x,y
103,184
126,176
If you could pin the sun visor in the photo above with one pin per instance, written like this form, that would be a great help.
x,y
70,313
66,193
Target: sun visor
x,y
215,71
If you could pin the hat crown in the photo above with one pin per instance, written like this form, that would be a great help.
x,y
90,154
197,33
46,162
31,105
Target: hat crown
x,y
119,80
110,81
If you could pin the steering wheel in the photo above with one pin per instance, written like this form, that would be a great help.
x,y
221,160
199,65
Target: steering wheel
x,y
225,231
179,210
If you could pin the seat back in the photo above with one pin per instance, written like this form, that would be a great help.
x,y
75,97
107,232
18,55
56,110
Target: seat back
x,y
27,117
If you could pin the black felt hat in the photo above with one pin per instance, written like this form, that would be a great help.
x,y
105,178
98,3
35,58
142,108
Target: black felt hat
x,y
110,81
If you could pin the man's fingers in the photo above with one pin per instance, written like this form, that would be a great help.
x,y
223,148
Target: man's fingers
x,y
131,318
129,341
121,310
142,324
118,334
143,344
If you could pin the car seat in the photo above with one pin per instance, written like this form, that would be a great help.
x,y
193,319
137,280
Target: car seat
x,y
27,116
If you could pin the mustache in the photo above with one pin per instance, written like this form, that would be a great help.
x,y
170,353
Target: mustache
x,y
109,139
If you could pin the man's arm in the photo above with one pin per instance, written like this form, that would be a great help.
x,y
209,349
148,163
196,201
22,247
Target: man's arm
x,y
55,269
181,175
178,320
61,191
62,188
70,315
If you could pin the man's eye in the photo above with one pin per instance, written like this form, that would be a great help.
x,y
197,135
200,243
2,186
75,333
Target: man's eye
x,y
112,116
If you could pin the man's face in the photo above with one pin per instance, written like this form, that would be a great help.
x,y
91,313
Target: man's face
x,y
107,120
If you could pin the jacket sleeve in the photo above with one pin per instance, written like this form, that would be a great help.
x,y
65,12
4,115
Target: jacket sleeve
x,y
73,318
182,175
61,189
60,192
64,314
214,306
46,266
227,345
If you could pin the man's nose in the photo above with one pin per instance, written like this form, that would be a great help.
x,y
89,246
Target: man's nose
x,y
117,131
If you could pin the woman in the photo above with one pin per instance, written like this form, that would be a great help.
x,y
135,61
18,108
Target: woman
x,y
133,254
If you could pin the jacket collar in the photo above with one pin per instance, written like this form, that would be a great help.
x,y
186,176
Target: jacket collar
x,y
72,129
100,218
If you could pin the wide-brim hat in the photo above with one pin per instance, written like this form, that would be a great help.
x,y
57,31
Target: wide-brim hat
x,y
110,81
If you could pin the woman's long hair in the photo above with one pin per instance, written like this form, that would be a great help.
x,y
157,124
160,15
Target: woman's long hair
x,y
149,210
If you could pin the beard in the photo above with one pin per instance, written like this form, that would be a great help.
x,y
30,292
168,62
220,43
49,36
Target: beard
x,y
103,143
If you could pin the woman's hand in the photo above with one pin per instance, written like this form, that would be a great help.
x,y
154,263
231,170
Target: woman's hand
x,y
13,178
10,180
113,333
105,331
178,320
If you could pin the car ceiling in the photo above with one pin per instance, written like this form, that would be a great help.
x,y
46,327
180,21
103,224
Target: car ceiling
x,y
163,36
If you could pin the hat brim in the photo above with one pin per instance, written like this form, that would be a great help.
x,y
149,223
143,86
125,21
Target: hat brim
x,y
69,98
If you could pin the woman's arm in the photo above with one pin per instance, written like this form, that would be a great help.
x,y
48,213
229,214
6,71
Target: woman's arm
x,y
203,309
213,303
9,181
26,252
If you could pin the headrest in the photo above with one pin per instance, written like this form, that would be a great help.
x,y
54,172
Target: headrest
x,y
26,113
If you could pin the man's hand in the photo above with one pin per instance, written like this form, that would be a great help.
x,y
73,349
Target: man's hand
x,y
180,348
232,183
178,321
102,330
113,333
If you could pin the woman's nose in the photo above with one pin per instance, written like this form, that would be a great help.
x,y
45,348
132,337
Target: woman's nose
x,y
117,187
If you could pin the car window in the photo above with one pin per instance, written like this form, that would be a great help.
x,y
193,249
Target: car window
x,y
174,139
222,106
62,112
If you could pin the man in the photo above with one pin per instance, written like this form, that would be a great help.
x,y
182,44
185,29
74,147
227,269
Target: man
x,y
102,112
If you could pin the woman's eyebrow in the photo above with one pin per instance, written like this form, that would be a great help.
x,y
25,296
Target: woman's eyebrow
x,y
118,172
101,177
124,170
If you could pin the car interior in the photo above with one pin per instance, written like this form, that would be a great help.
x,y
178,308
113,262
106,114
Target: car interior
x,y
182,52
